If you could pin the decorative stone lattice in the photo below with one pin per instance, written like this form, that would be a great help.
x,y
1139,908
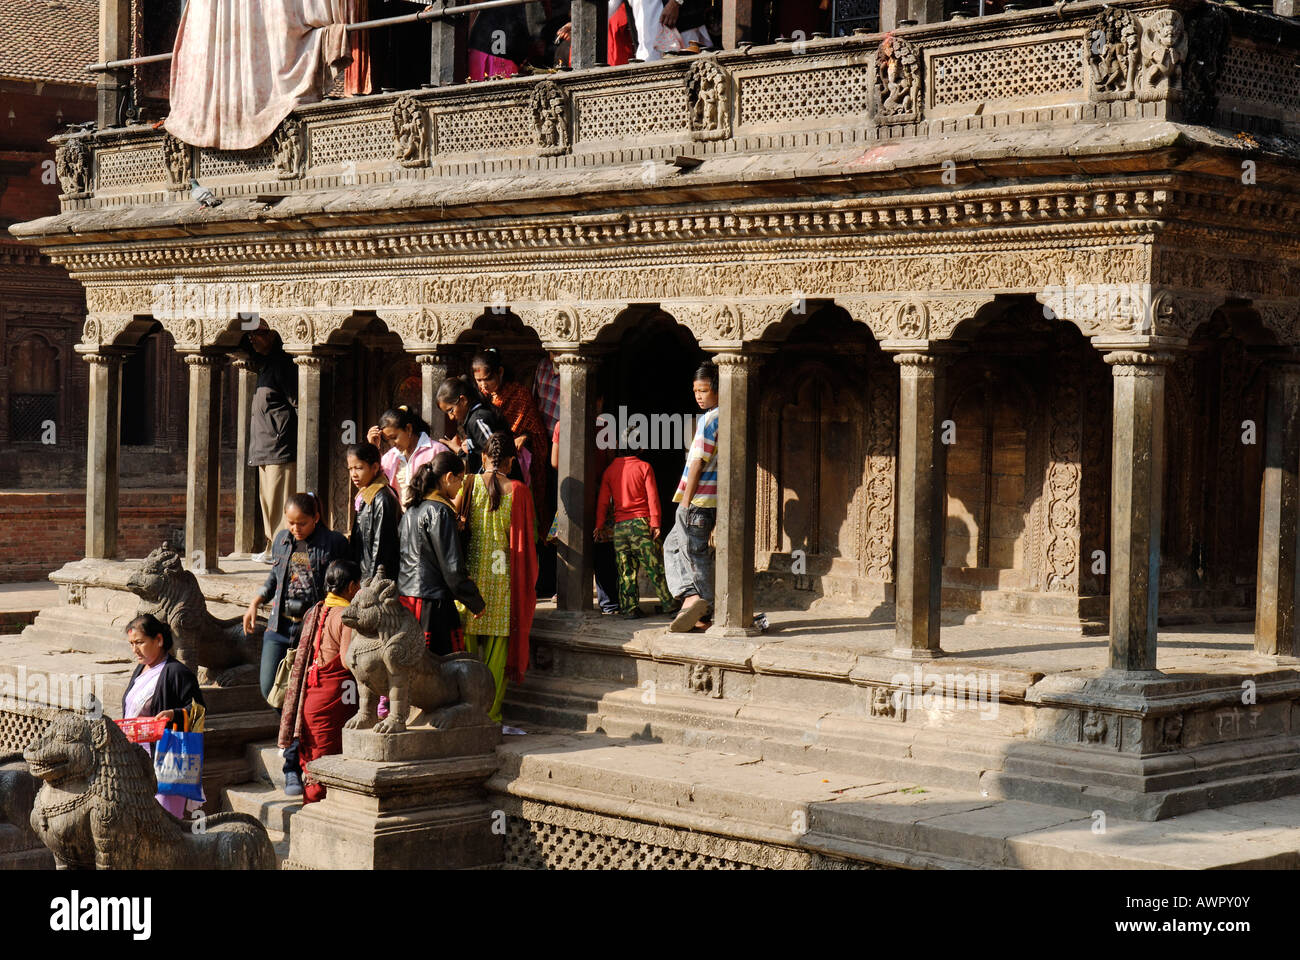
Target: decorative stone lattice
x,y
551,846
21,724
230,163
1006,73
1261,76
488,128
350,142
1206,46
631,113
897,86
135,165
786,97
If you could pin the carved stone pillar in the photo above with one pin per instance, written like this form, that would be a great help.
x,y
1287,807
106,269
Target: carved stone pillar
x,y
1137,484
248,512
203,461
577,481
433,370
921,461
442,53
311,457
733,604
114,44
1279,515
103,437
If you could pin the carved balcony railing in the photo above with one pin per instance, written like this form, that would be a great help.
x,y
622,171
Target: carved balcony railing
x,y
1086,63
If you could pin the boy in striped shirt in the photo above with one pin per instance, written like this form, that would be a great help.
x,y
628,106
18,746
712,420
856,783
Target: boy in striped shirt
x,y
688,559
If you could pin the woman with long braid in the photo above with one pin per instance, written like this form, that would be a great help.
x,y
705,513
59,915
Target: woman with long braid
x,y
503,562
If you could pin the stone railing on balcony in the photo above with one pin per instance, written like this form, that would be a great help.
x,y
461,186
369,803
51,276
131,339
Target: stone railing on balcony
x,y
1087,63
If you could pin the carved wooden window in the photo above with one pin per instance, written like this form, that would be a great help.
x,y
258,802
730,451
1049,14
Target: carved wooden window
x,y
33,389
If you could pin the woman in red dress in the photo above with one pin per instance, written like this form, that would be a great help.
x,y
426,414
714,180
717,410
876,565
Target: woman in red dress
x,y
322,694
532,440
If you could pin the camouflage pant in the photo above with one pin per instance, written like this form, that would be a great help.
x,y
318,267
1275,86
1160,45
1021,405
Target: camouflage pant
x,y
632,547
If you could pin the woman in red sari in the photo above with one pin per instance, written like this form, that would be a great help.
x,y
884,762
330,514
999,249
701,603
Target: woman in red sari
x,y
532,439
322,694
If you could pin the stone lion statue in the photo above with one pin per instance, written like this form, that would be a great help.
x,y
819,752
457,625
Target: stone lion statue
x,y
218,651
388,657
17,793
96,808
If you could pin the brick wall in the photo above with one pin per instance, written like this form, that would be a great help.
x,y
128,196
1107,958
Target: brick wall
x,y
41,531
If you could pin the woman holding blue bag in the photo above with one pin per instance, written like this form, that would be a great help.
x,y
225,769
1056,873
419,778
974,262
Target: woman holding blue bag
x,y
161,687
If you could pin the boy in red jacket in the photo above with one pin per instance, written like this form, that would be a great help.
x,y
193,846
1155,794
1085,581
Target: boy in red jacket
x,y
630,484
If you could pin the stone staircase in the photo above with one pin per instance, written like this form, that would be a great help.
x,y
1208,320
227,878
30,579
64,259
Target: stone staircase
x,y
264,797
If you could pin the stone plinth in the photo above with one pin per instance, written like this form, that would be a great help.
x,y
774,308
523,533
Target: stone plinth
x,y
412,800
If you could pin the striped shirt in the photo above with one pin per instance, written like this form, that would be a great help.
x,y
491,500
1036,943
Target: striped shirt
x,y
703,447
547,388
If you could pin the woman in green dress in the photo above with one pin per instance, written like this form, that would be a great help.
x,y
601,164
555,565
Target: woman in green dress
x,y
503,562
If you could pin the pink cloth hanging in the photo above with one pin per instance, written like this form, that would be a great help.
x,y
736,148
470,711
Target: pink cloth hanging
x,y
240,67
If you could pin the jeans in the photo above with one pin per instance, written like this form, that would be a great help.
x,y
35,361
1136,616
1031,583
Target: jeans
x,y
688,559
274,647
606,577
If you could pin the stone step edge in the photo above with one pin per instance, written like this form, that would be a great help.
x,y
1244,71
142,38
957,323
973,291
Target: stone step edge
x,y
841,848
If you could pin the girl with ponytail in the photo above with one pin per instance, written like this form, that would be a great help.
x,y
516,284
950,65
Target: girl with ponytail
x,y
503,562
409,446
531,439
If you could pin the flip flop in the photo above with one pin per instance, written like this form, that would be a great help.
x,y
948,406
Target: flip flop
x,y
688,616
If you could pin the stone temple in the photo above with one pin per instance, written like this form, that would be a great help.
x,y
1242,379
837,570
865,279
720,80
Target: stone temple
x,y
1006,310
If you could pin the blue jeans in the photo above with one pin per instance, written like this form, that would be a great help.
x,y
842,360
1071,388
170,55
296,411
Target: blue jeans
x,y
606,577
274,647
688,559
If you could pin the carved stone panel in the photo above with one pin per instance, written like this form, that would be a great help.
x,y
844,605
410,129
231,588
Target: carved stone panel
x,y
74,164
411,145
551,118
1111,52
897,87
1206,45
289,148
708,88
1164,52
178,159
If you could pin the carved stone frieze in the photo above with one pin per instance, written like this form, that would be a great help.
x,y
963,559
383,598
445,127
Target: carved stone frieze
x,y
178,159
411,133
1111,53
877,552
551,118
704,679
1281,317
1178,316
419,327
1164,52
75,166
289,148
896,85
911,320
306,329
1060,571
708,89
103,329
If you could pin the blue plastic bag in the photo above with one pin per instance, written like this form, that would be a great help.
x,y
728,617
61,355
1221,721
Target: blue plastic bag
x,y
178,764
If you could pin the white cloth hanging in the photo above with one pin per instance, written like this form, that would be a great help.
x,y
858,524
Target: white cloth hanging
x,y
241,66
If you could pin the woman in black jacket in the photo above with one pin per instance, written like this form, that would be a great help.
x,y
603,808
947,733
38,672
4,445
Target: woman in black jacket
x,y
300,556
161,686
476,420
432,575
374,531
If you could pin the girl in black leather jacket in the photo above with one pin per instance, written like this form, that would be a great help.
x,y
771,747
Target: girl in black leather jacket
x,y
432,573
374,531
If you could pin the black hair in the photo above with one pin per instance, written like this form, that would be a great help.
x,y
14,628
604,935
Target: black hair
x,y
707,371
307,502
151,626
399,418
339,574
490,359
365,452
453,388
428,477
499,449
